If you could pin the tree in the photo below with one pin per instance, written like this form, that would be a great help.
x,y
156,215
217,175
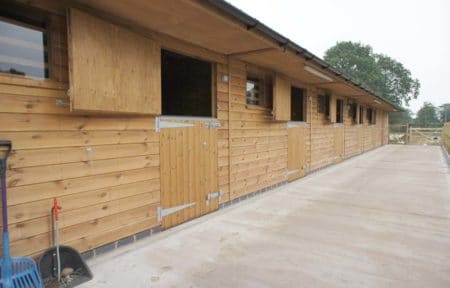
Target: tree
x,y
427,115
444,113
400,117
380,73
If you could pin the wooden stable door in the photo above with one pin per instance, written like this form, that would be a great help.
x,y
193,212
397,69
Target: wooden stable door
x,y
296,152
361,139
339,143
189,179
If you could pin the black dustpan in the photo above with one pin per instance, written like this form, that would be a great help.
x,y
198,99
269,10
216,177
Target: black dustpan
x,y
71,259
62,266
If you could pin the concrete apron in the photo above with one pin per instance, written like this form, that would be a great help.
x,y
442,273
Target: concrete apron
x,y
381,219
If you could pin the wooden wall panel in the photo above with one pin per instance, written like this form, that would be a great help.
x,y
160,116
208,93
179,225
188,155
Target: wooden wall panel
x,y
339,138
297,152
281,99
352,143
99,167
223,145
258,145
104,169
111,68
333,108
322,137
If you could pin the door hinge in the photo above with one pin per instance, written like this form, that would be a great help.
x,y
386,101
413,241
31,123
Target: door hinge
x,y
161,213
213,195
159,124
61,102
290,172
212,124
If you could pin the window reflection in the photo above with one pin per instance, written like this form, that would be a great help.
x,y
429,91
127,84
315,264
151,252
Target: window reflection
x,y
23,50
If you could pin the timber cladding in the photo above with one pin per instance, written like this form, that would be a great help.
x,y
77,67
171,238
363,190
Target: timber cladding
x,y
107,169
258,145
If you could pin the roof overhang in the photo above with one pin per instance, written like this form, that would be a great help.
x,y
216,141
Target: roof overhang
x,y
224,29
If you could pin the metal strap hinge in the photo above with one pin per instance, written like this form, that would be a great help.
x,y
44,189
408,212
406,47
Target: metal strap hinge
x,y
60,102
159,124
212,124
161,213
213,195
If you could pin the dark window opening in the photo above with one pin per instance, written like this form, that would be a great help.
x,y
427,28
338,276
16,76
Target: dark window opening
x,y
339,111
369,115
187,87
361,114
323,105
354,112
297,104
23,42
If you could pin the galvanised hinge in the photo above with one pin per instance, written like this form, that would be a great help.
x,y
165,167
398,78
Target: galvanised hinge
x,y
161,213
213,195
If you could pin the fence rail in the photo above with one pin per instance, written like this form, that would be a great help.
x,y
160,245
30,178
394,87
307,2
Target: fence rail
x,y
406,134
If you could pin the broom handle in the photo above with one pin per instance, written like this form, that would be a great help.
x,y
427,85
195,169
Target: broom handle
x,y
5,143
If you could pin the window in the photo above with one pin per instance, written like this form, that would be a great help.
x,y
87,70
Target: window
x,y
259,88
339,111
369,115
323,105
353,112
361,115
23,46
297,104
187,85
374,117
253,91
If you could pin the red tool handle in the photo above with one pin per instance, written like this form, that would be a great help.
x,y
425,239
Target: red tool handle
x,y
56,208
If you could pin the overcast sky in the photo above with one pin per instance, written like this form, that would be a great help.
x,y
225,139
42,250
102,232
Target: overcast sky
x,y
414,32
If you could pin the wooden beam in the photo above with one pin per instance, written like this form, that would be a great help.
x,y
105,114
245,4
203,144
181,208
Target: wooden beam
x,y
252,52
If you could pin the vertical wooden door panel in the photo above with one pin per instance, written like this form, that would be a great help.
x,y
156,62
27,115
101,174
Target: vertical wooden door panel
x,y
339,143
188,171
361,139
296,153
333,109
282,99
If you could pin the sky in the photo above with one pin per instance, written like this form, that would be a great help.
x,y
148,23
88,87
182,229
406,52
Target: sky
x,y
414,32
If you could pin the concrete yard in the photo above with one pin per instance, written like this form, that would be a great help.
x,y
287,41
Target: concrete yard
x,y
381,219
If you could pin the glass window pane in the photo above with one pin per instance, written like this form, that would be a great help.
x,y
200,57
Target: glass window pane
x,y
253,91
22,50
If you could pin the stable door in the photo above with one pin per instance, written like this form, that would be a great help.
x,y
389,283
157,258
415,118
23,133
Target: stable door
x,y
189,179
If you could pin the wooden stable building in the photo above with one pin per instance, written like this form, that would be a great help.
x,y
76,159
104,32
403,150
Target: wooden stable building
x,y
141,115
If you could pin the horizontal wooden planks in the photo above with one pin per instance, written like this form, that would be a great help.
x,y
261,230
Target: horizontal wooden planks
x,y
258,145
103,168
